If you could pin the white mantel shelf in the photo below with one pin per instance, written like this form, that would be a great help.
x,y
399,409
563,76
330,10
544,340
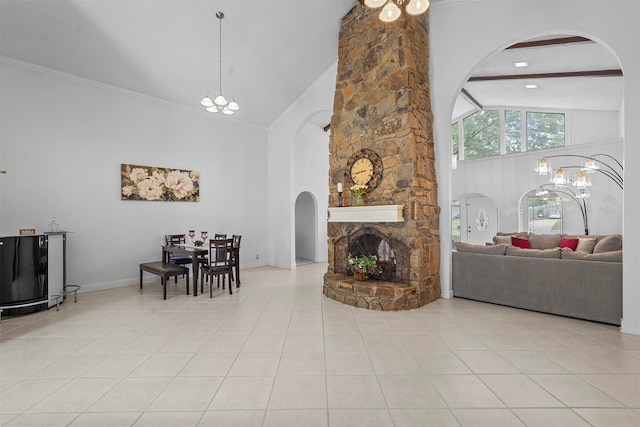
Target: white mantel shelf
x,y
381,213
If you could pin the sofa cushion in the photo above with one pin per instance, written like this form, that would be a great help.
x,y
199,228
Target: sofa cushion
x,y
502,237
611,256
586,244
544,241
481,249
533,253
569,243
520,243
612,242
502,240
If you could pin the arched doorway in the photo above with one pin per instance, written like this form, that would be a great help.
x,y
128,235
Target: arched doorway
x,y
306,224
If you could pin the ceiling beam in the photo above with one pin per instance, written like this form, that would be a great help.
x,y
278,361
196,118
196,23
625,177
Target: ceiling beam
x,y
471,99
594,73
550,42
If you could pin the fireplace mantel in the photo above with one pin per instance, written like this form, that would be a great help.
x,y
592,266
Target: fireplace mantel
x,y
380,213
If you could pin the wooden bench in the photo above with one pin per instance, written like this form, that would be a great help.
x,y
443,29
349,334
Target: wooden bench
x,y
164,270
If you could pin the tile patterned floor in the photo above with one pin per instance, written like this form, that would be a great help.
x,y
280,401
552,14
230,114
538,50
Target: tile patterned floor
x,y
278,353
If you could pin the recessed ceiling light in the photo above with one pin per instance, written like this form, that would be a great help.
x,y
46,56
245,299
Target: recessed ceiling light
x,y
531,86
521,64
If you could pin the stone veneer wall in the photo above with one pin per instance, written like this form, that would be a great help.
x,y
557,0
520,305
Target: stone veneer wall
x,y
382,103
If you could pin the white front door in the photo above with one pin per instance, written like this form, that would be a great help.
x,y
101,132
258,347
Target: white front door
x,y
482,220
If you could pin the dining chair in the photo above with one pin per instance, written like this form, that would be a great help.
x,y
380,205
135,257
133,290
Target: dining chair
x,y
220,252
219,236
235,258
180,259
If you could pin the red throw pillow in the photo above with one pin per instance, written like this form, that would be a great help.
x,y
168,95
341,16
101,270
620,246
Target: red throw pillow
x,y
569,243
520,243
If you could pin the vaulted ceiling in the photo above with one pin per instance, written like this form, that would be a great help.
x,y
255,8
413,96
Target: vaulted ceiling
x,y
272,51
568,72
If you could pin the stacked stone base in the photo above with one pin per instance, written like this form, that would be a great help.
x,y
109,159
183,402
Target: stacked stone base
x,y
371,294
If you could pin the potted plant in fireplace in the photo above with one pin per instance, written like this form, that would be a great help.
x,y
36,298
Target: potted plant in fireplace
x,y
362,266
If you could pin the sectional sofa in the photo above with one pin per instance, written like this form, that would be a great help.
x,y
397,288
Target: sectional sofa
x,y
575,276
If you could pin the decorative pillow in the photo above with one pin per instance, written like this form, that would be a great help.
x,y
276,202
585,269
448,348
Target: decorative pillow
x,y
478,249
586,244
533,253
569,243
544,241
502,240
502,237
612,242
520,243
611,256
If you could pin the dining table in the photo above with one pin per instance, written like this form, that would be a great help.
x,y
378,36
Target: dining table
x,y
195,252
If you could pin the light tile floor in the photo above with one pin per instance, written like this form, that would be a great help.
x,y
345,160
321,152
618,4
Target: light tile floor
x,y
278,353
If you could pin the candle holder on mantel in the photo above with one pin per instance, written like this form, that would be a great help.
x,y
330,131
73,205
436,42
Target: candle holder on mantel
x,y
340,201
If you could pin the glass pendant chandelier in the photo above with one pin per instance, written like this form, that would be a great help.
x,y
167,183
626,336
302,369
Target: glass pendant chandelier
x,y
392,9
220,102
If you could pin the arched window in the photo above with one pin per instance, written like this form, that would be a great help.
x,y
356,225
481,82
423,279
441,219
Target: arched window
x,y
540,212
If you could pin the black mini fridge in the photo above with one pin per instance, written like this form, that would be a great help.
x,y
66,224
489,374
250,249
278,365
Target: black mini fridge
x,y
23,274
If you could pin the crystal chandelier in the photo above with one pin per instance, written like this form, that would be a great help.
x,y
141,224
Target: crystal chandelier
x,y
392,9
220,103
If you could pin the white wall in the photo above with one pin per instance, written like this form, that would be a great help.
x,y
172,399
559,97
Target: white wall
x,y
311,162
465,33
504,179
62,141
299,161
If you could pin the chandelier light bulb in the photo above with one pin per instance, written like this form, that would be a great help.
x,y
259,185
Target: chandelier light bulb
x,y
226,110
212,109
206,102
220,100
543,167
233,106
558,177
590,165
390,12
417,7
374,4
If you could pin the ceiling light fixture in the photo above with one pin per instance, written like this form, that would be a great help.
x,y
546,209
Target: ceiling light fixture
x,y
392,9
220,103
521,64
531,86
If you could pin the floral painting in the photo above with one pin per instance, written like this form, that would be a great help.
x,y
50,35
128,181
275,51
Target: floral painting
x,y
162,184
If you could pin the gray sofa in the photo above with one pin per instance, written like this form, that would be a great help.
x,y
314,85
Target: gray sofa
x,y
544,278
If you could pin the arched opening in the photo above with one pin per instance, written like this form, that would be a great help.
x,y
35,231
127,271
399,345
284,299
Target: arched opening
x,y
306,224
554,95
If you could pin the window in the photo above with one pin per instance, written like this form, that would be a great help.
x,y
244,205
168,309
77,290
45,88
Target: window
x,y
540,214
512,131
455,139
481,134
455,221
545,130
493,132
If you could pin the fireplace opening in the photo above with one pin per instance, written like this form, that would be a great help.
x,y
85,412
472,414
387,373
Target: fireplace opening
x,y
392,253
370,244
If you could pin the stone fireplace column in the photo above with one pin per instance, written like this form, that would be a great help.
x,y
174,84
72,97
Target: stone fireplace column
x,y
382,103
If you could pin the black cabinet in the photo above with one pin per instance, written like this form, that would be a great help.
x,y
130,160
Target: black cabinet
x,y
23,274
